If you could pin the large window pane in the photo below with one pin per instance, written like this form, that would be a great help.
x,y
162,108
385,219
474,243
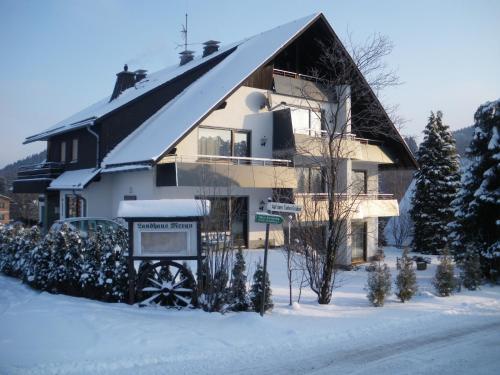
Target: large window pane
x,y
214,142
316,185
359,182
316,123
302,180
300,120
241,144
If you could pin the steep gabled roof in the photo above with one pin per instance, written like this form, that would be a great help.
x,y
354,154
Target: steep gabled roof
x,y
163,130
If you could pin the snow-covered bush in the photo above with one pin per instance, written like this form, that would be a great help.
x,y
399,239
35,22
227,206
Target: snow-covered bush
x,y
379,284
444,280
406,280
256,290
64,262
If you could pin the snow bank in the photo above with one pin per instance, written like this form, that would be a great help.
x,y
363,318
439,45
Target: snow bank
x,y
55,334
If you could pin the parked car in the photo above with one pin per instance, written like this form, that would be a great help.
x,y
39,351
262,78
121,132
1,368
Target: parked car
x,y
86,225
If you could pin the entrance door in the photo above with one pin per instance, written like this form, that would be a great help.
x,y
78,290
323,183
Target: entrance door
x,y
358,241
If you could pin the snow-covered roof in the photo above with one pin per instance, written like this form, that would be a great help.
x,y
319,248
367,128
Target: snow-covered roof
x,y
163,208
126,168
89,115
161,131
74,180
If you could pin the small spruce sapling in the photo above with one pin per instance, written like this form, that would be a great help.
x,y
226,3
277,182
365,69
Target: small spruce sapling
x,y
406,281
471,274
444,280
239,296
379,284
256,290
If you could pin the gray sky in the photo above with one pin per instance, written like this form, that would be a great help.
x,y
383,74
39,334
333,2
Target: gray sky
x,y
60,56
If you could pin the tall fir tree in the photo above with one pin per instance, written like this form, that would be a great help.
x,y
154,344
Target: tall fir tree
x,y
436,186
477,207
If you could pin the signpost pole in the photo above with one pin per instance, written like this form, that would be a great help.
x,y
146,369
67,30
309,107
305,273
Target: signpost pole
x,y
266,244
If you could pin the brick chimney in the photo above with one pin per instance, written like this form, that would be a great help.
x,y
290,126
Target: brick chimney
x,y
124,80
186,56
210,46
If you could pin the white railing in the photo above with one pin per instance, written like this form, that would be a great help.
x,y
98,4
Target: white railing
x,y
236,160
324,134
367,196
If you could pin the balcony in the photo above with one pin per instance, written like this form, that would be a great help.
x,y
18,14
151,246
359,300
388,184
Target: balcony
x,y
309,143
228,171
361,206
37,177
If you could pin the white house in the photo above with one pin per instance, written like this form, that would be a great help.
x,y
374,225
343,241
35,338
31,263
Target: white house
x,y
232,126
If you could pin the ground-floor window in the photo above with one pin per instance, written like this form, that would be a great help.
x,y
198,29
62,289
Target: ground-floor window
x,y
228,215
358,241
74,206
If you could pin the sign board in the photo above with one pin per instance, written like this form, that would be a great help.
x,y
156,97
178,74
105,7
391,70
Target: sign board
x,y
165,238
283,207
265,218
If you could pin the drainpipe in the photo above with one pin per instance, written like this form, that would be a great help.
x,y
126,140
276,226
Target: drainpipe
x,y
97,145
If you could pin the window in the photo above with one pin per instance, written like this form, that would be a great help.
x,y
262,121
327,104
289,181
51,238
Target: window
x,y
74,150
63,152
2,217
75,206
241,146
359,185
358,241
228,215
2,204
306,121
223,142
214,142
310,180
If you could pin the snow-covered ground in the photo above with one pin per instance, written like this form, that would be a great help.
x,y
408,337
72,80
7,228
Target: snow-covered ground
x,y
54,334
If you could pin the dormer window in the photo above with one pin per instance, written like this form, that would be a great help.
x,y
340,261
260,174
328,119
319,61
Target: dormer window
x,y
74,150
63,152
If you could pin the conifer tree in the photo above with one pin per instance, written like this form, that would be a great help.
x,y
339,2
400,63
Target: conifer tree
x,y
436,185
406,281
444,280
239,296
66,260
470,265
477,206
256,290
379,284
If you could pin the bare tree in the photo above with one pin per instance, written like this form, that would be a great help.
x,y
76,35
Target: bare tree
x,y
402,228
345,104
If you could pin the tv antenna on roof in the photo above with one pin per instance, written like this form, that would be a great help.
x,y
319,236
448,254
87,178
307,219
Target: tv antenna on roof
x,y
184,31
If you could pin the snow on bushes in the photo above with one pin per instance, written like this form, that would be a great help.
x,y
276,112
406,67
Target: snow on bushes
x,y
406,280
64,262
256,290
379,284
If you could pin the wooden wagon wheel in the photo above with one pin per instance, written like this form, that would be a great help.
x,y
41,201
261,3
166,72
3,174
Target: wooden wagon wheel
x,y
166,283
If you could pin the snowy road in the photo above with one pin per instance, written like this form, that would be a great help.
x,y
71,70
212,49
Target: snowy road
x,y
428,354
54,334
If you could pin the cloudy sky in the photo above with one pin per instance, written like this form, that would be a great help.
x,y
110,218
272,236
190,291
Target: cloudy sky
x,y
59,56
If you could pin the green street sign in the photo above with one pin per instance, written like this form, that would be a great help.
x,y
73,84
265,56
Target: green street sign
x,y
265,218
